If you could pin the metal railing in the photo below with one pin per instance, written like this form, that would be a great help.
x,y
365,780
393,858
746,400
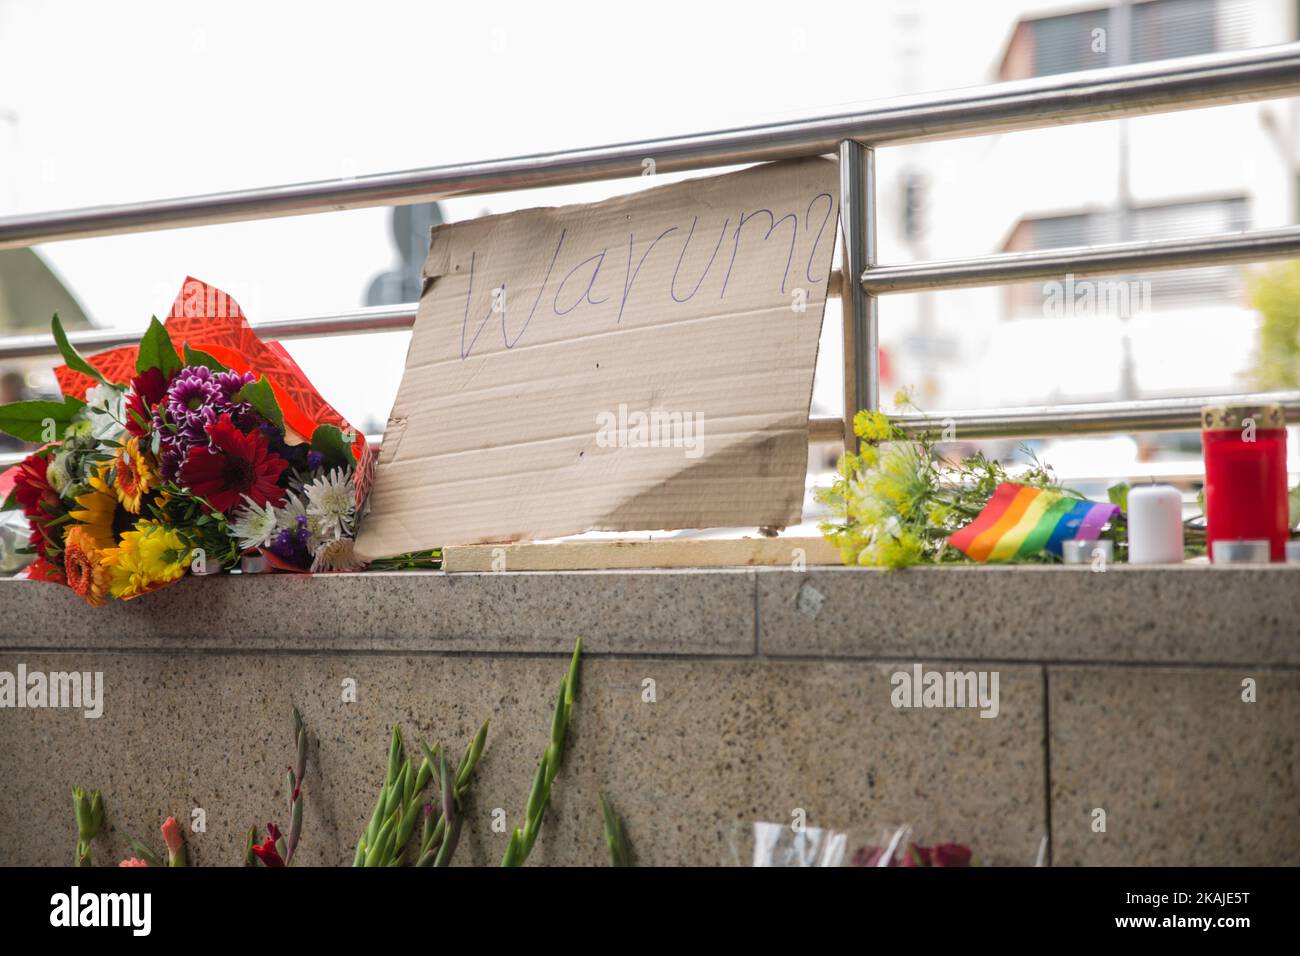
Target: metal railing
x,y
1071,98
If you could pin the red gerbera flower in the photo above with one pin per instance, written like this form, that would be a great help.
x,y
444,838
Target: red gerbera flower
x,y
233,465
32,489
147,390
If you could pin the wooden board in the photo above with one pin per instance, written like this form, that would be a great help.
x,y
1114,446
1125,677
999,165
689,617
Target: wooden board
x,y
606,555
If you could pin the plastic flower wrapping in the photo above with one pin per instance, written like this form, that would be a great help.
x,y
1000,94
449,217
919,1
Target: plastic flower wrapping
x,y
199,447
783,845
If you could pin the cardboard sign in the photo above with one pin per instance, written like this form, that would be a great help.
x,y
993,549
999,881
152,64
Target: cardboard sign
x,y
641,363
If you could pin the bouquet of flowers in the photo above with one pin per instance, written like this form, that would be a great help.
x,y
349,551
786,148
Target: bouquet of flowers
x,y
199,447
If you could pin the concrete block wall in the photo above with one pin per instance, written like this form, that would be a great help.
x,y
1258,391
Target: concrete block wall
x,y
1120,691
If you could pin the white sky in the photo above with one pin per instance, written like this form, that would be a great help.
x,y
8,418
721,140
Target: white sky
x,y
111,103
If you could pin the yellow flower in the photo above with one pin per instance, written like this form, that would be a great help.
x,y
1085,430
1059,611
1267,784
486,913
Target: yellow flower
x,y
939,516
136,474
164,553
147,558
874,426
97,508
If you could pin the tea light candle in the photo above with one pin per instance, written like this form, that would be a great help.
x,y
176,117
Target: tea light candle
x,y
1078,551
1155,525
253,564
1240,551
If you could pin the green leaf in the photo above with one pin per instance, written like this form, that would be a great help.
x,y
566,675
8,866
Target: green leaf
x,y
11,502
145,852
197,357
1118,495
157,351
337,450
71,357
27,420
259,395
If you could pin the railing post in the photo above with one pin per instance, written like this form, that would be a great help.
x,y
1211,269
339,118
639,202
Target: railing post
x,y
860,310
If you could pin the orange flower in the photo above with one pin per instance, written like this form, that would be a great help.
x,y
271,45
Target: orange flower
x,y
86,575
136,474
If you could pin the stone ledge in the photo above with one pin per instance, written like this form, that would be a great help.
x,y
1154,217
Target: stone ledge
x,y
1190,614
697,612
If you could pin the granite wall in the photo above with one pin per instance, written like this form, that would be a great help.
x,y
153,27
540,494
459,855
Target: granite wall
x,y
771,688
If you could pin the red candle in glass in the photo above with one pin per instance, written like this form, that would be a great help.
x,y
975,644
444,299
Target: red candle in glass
x,y
1245,475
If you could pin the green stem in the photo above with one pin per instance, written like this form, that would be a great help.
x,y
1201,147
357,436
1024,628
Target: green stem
x,y
539,797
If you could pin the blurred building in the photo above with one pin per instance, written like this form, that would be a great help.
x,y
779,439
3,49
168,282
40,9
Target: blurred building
x,y
1174,175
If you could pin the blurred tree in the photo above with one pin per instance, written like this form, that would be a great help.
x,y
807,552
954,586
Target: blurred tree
x,y
30,293
1276,294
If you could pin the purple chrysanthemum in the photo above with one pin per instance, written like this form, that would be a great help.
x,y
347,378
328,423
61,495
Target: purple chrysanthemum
x,y
196,398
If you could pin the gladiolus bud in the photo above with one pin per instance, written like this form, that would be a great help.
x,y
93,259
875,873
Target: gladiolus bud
x,y
97,810
88,808
83,807
267,853
175,840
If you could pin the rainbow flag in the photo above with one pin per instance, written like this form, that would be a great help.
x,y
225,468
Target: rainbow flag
x,y
1020,521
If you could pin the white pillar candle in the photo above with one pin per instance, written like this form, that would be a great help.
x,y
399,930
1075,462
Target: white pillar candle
x,y
1155,525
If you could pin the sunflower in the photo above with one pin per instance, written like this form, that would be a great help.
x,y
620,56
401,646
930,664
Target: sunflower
x,y
98,508
81,563
144,560
136,474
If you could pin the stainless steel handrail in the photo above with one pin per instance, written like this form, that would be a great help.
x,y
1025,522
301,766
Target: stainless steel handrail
x,y
384,318
1170,414
1248,246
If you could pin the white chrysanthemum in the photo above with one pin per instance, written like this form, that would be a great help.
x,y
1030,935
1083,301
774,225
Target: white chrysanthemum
x,y
106,412
254,526
57,474
336,555
286,516
331,501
